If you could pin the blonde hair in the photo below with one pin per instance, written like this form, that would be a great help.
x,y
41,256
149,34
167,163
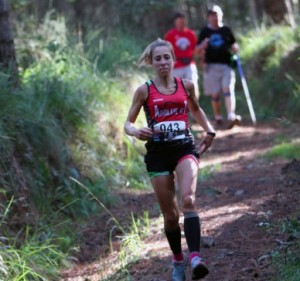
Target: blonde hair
x,y
146,57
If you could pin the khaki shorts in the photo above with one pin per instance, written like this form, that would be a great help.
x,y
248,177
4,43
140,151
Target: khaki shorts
x,y
188,72
217,78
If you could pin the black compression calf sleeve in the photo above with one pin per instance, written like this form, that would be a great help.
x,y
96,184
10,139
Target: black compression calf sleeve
x,y
174,239
192,231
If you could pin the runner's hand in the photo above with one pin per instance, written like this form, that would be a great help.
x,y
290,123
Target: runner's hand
x,y
205,43
205,144
235,48
143,134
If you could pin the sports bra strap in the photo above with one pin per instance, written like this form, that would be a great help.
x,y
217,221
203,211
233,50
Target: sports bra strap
x,y
149,82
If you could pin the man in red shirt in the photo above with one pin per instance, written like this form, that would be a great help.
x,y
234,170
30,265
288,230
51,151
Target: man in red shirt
x,y
184,42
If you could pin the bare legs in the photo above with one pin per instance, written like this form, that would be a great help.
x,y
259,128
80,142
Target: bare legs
x,y
164,188
229,98
230,104
216,106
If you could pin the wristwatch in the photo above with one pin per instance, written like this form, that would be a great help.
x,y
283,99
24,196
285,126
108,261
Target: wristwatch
x,y
211,133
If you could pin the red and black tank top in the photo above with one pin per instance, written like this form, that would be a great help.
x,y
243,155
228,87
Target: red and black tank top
x,y
167,114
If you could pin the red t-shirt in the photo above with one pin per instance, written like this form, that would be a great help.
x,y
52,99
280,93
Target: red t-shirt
x,y
184,44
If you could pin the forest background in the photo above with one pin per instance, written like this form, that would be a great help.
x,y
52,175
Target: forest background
x,y
68,72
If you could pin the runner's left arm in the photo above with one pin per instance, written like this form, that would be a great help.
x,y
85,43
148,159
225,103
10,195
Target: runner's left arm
x,y
199,116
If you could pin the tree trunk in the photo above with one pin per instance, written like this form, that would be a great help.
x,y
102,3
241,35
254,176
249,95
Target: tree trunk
x,y
7,49
290,13
197,14
40,9
253,13
280,11
259,6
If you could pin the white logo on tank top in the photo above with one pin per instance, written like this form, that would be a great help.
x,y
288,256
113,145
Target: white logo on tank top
x,y
160,112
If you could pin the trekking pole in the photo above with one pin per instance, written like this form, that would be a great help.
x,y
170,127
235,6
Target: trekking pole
x,y
245,88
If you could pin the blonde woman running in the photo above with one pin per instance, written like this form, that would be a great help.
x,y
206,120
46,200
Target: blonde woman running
x,y
170,146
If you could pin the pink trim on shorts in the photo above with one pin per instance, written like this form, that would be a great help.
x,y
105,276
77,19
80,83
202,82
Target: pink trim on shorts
x,y
189,156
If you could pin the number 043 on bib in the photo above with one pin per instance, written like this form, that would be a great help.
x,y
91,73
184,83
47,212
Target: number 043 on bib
x,y
169,126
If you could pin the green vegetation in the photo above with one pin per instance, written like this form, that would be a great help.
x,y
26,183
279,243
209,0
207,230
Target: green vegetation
x,y
30,255
131,246
267,55
63,151
130,240
286,261
33,260
285,150
206,172
56,126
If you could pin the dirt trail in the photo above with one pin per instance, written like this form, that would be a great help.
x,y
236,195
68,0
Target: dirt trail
x,y
238,205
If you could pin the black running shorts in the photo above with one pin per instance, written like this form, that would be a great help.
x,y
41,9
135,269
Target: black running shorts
x,y
162,158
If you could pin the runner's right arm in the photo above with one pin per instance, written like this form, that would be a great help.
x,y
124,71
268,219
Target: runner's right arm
x,y
139,98
202,44
203,39
232,42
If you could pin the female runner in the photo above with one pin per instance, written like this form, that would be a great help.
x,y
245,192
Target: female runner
x,y
171,149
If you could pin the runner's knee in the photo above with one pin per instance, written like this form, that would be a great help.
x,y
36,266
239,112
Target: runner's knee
x,y
188,202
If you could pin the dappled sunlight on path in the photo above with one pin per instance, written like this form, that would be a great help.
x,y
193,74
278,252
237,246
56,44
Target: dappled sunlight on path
x,y
237,203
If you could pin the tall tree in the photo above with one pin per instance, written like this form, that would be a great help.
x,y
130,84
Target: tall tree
x,y
196,12
280,11
253,13
7,49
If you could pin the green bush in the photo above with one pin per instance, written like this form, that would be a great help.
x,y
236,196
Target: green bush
x,y
59,123
285,150
31,261
267,56
286,261
64,121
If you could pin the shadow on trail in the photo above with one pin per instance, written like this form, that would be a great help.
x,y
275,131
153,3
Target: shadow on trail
x,y
244,174
246,240
245,237
236,204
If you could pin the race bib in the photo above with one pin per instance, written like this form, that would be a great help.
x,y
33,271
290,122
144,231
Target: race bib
x,y
169,127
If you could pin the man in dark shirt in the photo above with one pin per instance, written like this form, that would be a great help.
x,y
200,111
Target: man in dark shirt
x,y
216,43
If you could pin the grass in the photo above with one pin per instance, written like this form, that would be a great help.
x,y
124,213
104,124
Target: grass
x,y
31,254
131,248
268,41
131,241
59,124
56,126
32,261
208,171
267,55
285,150
286,260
